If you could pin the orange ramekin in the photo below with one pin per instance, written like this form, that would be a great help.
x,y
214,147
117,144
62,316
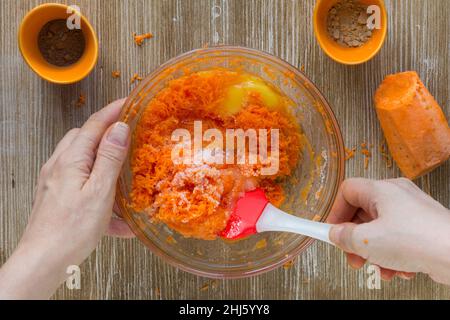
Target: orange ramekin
x,y
28,44
350,56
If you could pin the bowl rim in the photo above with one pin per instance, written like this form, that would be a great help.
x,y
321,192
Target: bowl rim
x,y
29,61
236,274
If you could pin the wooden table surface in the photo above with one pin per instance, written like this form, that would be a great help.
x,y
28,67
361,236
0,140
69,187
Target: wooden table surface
x,y
35,114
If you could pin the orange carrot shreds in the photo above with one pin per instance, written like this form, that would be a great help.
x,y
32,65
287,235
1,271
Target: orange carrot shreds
x,y
139,39
288,265
135,78
196,200
171,240
115,74
366,163
316,218
204,287
366,241
261,244
367,154
349,153
81,100
385,154
209,285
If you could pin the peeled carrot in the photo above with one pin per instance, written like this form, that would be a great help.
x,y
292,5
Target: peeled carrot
x,y
416,130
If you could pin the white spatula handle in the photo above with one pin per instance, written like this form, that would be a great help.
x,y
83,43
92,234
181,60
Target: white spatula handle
x,y
273,219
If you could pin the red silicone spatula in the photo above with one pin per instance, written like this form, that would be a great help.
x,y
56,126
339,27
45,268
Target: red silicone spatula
x,y
254,214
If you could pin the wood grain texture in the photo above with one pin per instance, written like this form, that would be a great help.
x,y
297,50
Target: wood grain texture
x,y
34,115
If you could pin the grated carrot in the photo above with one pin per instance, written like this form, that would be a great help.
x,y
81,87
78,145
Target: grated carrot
x,y
196,200
349,153
135,78
81,100
139,39
261,244
367,154
385,154
288,265
204,287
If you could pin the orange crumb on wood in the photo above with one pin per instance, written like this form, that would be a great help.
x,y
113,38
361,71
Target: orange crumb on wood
x,y
171,240
135,78
318,193
349,153
367,154
81,100
115,74
139,39
288,265
204,287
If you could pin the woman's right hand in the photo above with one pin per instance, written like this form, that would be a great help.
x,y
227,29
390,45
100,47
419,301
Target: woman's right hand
x,y
392,224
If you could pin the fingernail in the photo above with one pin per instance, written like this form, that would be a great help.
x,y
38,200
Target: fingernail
x,y
405,276
335,233
354,266
118,134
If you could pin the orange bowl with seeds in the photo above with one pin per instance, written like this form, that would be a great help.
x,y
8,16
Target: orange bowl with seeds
x,y
29,30
310,187
348,55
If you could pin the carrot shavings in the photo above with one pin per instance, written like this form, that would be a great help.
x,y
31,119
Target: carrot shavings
x,y
115,74
171,240
195,200
204,287
288,265
139,39
385,154
367,154
135,78
81,100
349,153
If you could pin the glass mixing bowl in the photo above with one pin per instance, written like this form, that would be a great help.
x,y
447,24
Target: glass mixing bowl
x,y
310,191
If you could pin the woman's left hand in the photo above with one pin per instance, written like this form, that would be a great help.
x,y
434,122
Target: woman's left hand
x,y
72,208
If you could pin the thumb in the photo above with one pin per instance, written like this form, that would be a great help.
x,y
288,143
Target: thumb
x,y
111,153
343,236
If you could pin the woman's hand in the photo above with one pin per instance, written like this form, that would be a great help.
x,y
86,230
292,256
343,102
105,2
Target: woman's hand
x,y
392,224
72,208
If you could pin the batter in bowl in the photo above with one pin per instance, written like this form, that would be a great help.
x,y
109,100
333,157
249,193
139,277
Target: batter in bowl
x,y
196,198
